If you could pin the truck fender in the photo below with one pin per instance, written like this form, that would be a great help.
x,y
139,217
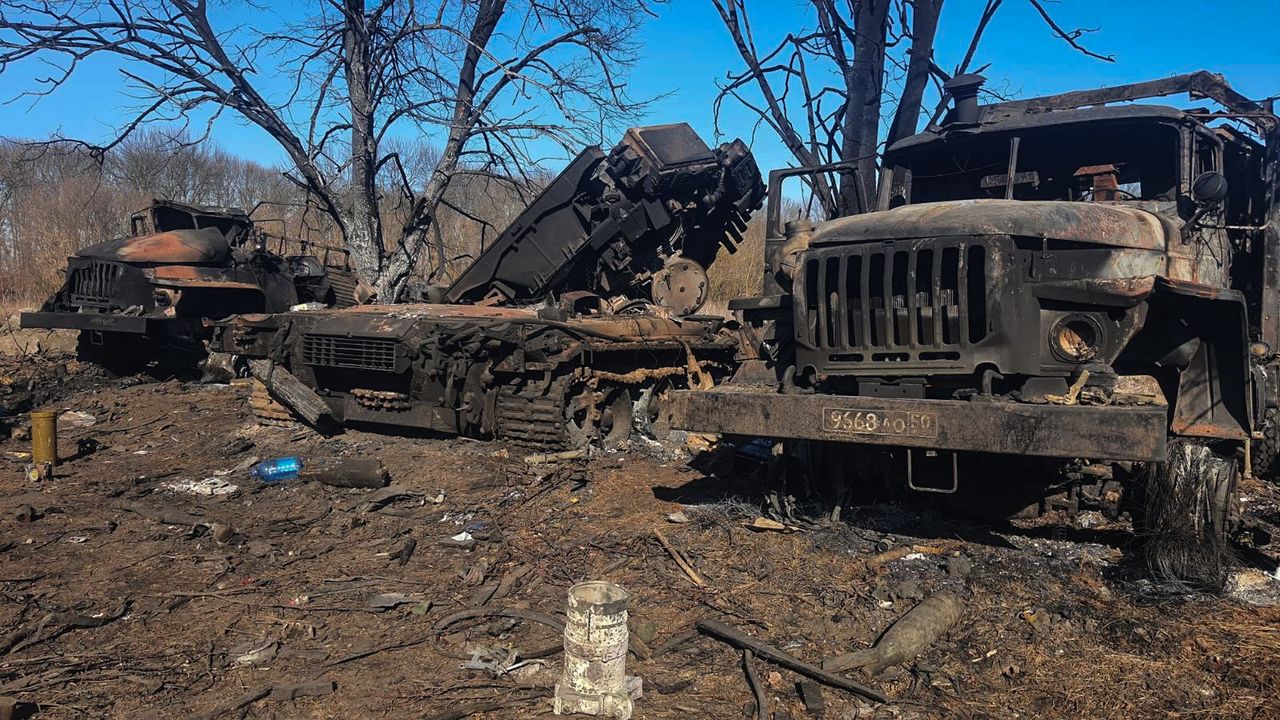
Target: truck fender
x,y
1215,396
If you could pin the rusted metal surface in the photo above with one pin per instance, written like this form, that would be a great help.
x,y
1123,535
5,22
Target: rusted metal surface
x,y
485,371
660,204
1200,84
175,246
1103,433
556,332
1080,222
1054,278
185,266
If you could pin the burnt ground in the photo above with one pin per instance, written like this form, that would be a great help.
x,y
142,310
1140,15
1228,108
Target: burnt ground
x,y
109,610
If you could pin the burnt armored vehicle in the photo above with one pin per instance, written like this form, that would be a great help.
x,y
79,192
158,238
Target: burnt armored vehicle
x,y
152,295
1064,281
578,319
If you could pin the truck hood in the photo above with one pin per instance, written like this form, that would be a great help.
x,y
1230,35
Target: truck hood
x,y
1102,224
197,247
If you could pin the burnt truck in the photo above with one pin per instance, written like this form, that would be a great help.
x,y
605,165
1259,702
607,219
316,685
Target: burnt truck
x,y
151,296
1061,302
571,326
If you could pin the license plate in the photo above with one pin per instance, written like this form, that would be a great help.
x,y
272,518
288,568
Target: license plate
x,y
880,422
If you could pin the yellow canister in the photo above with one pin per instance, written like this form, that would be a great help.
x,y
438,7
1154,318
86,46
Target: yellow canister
x,y
44,437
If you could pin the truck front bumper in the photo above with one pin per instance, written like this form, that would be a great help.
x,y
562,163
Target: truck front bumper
x,y
105,322
1094,432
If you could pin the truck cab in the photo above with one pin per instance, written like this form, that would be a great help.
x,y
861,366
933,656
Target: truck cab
x,y
151,295
1063,278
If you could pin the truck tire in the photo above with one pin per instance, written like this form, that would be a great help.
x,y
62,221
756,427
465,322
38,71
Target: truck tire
x,y
1187,513
1266,452
119,354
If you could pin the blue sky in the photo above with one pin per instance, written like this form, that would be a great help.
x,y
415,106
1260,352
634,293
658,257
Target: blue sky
x,y
686,50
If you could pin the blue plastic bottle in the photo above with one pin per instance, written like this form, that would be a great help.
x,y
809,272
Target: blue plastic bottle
x,y
277,469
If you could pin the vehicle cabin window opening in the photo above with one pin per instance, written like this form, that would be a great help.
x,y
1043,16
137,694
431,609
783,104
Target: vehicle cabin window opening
x,y
1116,161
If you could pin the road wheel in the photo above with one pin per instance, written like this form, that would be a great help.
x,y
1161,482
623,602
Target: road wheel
x,y
1187,514
117,353
602,415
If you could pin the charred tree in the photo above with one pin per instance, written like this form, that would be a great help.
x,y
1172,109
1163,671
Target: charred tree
x,y
861,65
485,78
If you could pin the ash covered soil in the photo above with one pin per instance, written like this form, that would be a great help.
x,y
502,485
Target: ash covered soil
x,y
125,593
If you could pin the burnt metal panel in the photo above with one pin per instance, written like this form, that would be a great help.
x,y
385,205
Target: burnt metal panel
x,y
95,284
357,353
88,321
1098,433
1092,223
174,246
609,222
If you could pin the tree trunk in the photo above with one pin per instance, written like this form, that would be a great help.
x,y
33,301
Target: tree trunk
x,y
364,231
924,26
864,80
401,261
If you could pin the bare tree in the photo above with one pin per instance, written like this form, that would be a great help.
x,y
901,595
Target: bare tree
x,y
494,81
823,90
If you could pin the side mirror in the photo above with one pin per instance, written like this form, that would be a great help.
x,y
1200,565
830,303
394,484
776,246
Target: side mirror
x,y
1209,188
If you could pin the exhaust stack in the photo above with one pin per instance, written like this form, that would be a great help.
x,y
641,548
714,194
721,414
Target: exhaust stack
x,y
964,90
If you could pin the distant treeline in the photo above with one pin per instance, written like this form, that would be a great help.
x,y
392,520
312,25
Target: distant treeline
x,y
56,199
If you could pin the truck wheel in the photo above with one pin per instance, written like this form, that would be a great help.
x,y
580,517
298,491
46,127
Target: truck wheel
x,y
117,353
1266,452
1187,514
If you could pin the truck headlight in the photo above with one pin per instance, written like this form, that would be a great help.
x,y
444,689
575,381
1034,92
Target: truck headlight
x,y
1075,338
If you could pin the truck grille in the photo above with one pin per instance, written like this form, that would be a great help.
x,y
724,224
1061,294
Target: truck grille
x,y
896,304
95,284
358,353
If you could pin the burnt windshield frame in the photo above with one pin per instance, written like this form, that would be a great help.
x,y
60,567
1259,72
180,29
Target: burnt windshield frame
x,y
1049,158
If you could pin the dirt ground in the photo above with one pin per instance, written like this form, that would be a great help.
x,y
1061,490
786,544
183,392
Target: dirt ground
x,y
125,595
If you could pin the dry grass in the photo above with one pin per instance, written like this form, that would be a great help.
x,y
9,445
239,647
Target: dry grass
x,y
740,274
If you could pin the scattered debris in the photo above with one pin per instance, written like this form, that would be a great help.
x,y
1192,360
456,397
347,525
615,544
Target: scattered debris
x,y
73,420
1255,587
680,558
346,472
763,524
404,552
874,563
388,601
222,533
541,458
290,392
811,696
254,655
741,640
376,499
753,680
462,539
277,469
595,653
911,635
215,486
54,624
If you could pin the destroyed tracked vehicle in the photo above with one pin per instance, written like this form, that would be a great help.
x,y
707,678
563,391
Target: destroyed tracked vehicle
x,y
1063,283
578,319
151,296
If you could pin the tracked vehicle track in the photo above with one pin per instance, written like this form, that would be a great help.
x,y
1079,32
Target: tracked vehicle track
x,y
533,421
